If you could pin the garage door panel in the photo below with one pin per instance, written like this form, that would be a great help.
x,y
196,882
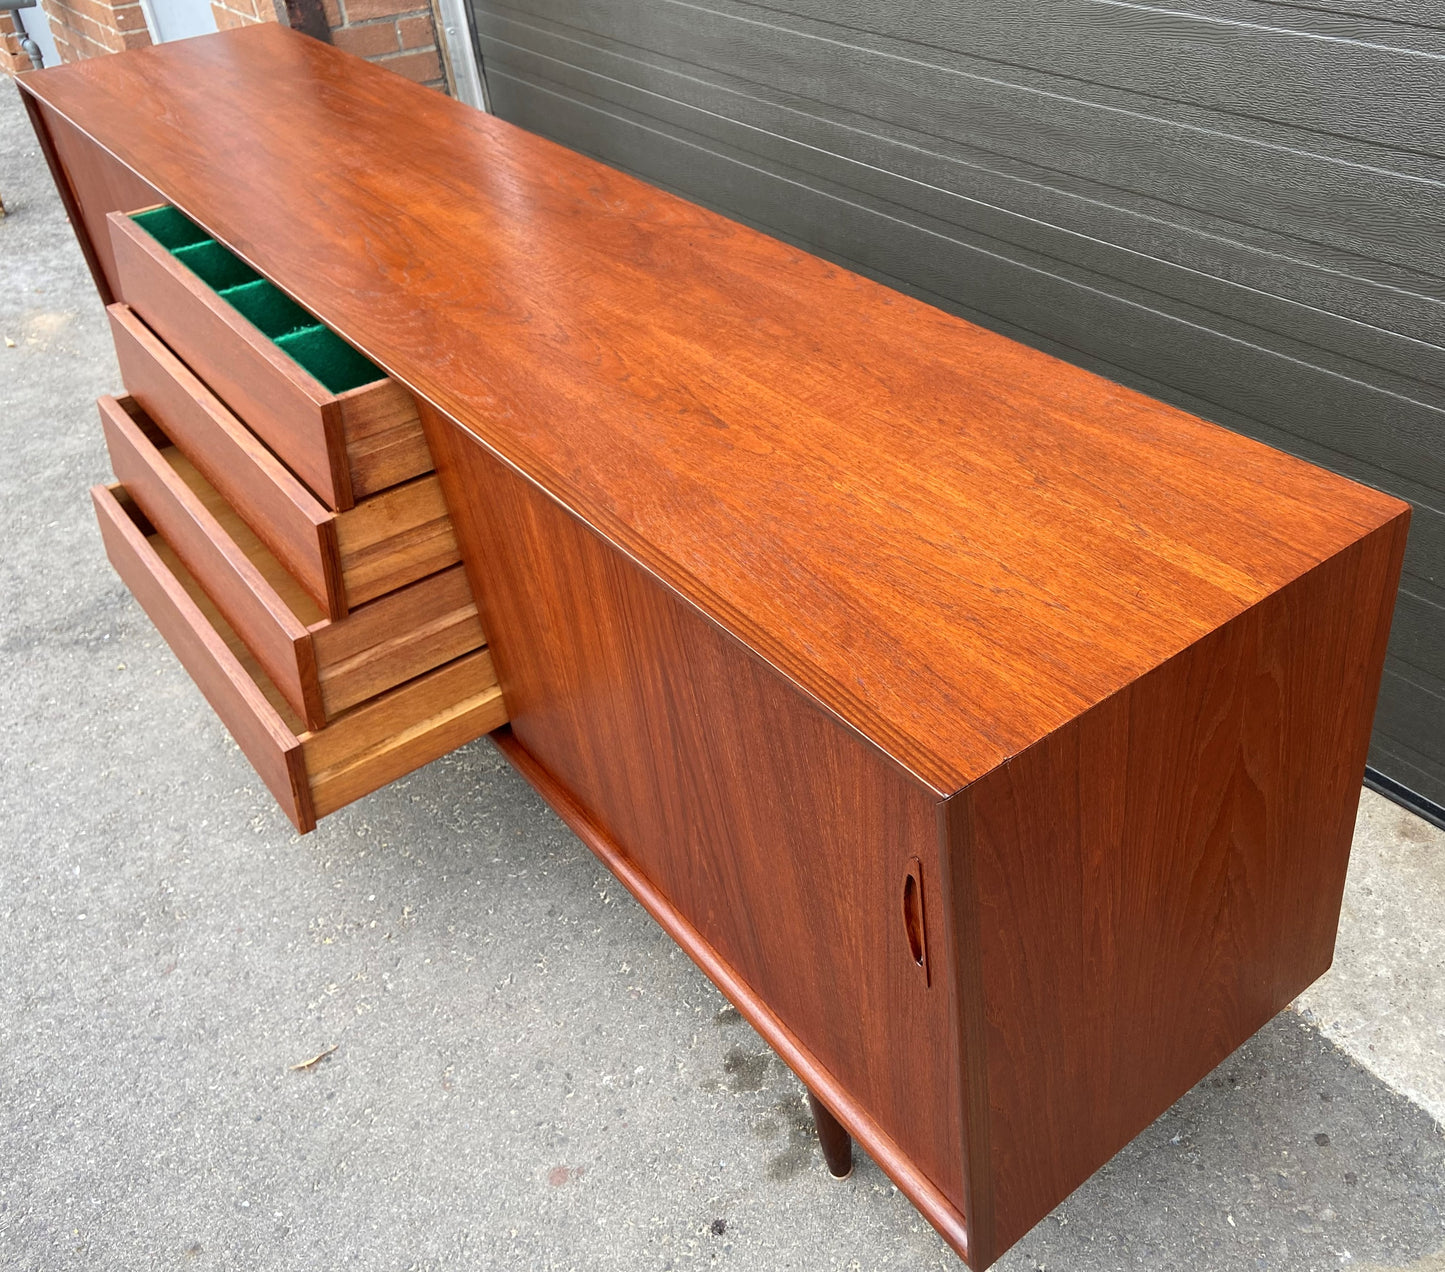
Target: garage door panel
x,y
1206,59
1317,189
1417,636
1425,13
1400,763
1410,714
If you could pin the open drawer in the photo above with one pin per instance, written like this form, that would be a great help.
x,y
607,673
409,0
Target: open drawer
x,y
310,772
341,559
320,667
344,428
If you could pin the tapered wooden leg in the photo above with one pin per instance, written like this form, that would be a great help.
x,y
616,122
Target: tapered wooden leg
x,y
837,1143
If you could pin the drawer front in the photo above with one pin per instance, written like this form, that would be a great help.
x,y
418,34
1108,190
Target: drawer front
x,y
341,559
321,668
274,634
285,407
310,772
272,747
279,508
344,445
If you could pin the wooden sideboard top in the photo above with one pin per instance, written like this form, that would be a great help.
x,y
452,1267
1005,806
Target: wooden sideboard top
x,y
953,542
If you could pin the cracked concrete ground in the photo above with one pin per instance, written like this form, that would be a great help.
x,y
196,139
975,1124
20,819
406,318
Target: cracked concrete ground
x,y
527,1072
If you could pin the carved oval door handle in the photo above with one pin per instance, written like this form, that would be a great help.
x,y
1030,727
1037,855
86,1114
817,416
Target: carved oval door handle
x,y
914,928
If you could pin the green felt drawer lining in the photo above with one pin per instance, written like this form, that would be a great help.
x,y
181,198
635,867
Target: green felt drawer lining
x,y
267,308
310,344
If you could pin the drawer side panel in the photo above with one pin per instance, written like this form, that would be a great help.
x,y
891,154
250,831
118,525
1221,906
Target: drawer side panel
x,y
274,635
92,183
277,507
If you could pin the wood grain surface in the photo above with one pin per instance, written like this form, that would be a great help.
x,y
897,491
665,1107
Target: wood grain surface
x,y
394,538
341,559
389,736
1232,205
321,667
311,773
394,638
345,446
382,436
1138,893
91,182
251,718
776,835
295,525
953,543
286,407
1105,917
273,631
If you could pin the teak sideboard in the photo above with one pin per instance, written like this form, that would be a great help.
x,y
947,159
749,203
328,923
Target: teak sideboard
x,y
989,733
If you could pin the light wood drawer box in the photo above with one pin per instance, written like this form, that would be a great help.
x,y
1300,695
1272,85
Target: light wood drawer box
x,y
337,421
340,559
319,666
310,772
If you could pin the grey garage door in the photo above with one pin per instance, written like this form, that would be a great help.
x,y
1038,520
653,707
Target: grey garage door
x,y
1239,208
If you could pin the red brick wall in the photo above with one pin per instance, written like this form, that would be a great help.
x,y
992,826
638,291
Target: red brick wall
x,y
87,28
398,34
392,33
234,13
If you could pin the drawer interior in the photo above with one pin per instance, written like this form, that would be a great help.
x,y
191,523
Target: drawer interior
x,y
398,534
312,345
380,736
254,671
332,755
311,772
378,645
386,640
343,427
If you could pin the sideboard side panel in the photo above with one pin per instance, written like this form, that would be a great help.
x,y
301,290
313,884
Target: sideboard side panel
x,y
777,834
1157,879
92,183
